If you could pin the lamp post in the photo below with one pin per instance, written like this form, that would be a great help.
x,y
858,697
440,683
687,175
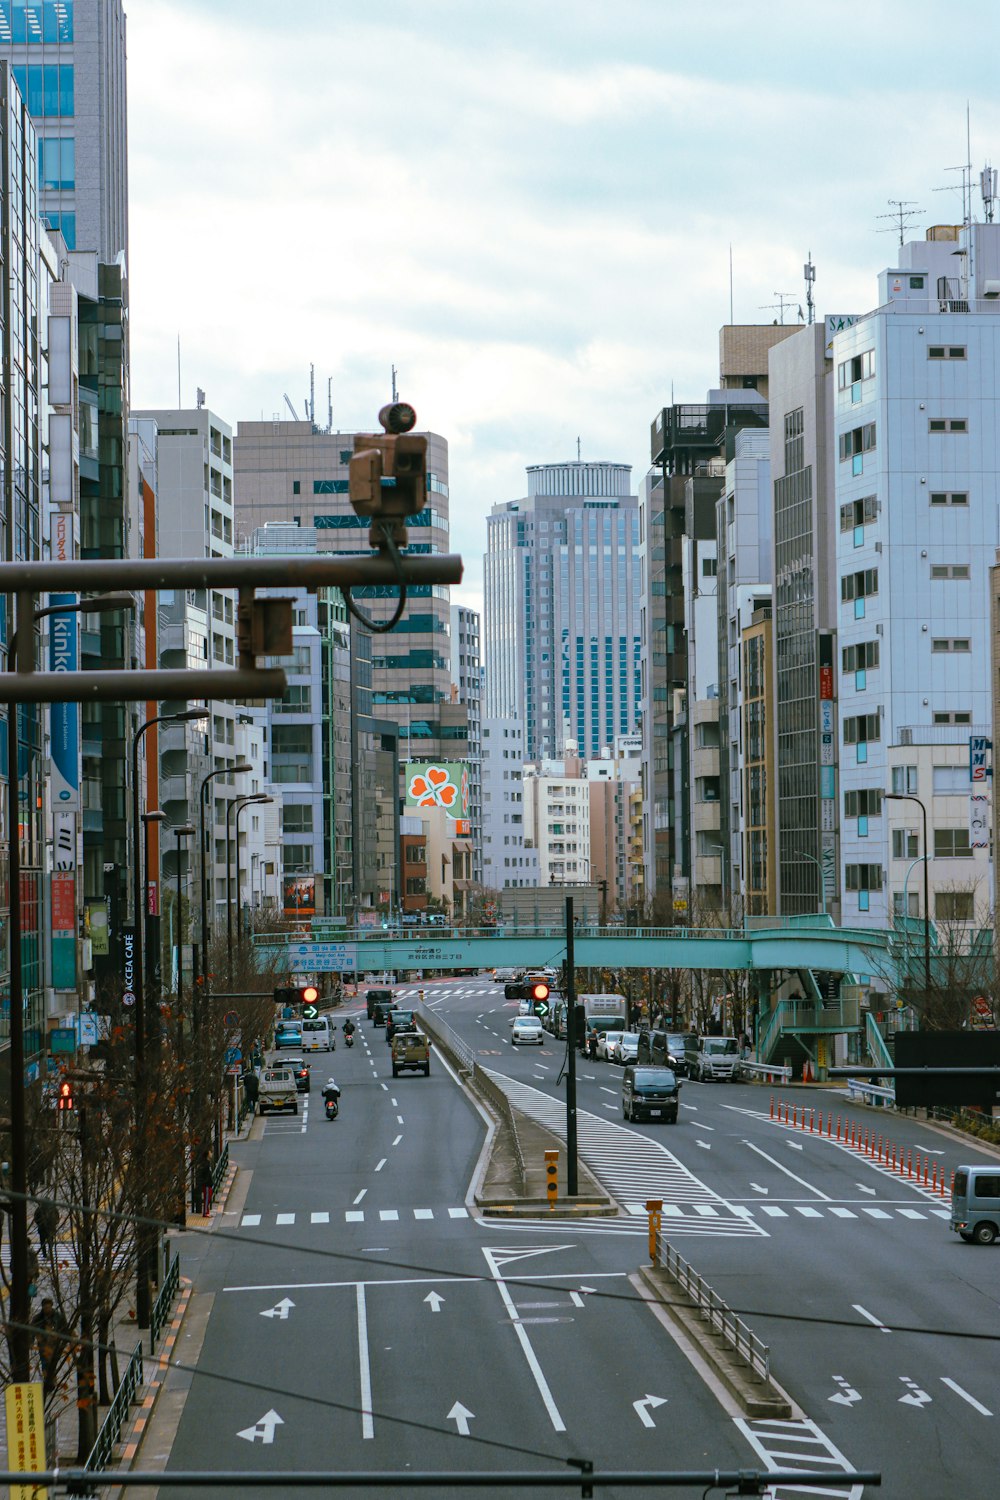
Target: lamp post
x,y
235,806
147,818
241,768
822,879
183,831
908,797
240,804
20,655
142,1269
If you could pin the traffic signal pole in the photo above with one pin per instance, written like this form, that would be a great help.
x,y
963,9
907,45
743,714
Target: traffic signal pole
x,y
572,1186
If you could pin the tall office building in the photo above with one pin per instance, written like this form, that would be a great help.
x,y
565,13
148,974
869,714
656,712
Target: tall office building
x,y
69,61
467,676
562,618
917,501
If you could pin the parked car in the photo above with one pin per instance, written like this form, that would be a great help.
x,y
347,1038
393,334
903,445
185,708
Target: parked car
x,y
527,1029
625,1048
299,1070
651,1094
605,1044
710,1057
975,1204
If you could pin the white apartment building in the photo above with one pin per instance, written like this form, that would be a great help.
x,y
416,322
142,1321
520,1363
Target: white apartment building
x,y
467,678
701,620
509,855
557,814
918,492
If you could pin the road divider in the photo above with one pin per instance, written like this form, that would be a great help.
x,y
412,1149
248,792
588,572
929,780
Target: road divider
x,y
907,1162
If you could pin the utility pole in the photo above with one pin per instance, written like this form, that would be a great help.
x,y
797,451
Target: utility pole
x,y
572,1186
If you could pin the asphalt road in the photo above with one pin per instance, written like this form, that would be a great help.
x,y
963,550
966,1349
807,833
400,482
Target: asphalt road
x,y
882,1324
352,1312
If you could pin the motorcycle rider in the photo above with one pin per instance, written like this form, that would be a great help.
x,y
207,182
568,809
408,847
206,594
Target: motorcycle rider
x,y
348,1027
331,1091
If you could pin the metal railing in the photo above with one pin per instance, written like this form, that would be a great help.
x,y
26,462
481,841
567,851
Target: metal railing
x,y
501,1104
716,1313
770,1072
163,1305
876,1094
441,1032
877,1048
444,1036
219,1171
102,1453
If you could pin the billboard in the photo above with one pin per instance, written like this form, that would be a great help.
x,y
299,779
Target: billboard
x,y
442,783
948,1049
300,895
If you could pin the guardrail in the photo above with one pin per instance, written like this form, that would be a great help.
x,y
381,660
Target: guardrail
x,y
442,1032
716,1313
871,1093
219,1171
770,1072
102,1453
163,1305
501,1104
876,1042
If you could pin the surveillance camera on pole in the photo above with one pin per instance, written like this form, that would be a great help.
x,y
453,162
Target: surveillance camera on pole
x,y
388,474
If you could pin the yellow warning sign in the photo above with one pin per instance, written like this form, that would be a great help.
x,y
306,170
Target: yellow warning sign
x,y
26,1437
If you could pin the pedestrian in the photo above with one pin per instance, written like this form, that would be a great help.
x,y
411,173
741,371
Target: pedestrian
x,y
47,1224
744,1046
251,1087
203,1183
50,1335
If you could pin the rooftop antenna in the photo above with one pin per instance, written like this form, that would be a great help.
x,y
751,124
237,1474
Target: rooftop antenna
x,y
178,371
312,394
291,408
329,404
904,211
395,393
809,272
988,188
731,283
785,299
578,450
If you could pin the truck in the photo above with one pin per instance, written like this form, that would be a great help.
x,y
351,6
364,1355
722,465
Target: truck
x,y
601,1013
707,1057
411,1052
277,1091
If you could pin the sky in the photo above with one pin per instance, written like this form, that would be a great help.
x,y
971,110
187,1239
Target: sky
x,y
527,206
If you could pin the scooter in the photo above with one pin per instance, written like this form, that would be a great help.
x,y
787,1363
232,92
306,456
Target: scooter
x,y
349,1039
331,1099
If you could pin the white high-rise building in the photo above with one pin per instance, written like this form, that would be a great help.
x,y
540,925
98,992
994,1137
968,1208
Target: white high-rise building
x,y
917,384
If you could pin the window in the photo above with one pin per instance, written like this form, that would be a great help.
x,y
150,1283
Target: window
x,y
31,22
949,570
864,803
861,367
861,728
858,440
861,657
946,351
47,89
296,818
952,843
709,567
66,225
296,486
858,513
57,165
912,901
951,779
940,644
904,843
948,424
859,585
330,486
904,780
952,716
863,877
949,497
954,906
916,283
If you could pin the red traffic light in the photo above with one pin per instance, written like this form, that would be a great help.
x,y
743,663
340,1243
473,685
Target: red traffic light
x,y
539,991
66,1095
309,994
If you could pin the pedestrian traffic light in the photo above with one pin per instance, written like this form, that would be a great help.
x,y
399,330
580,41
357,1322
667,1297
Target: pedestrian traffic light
x,y
66,1095
539,998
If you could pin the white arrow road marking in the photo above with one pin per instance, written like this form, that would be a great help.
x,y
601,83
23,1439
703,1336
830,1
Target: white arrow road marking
x,y
758,1189
643,1407
914,1396
705,1145
862,1189
435,1299
460,1415
787,1171
847,1395
264,1429
576,1299
976,1405
279,1310
795,1145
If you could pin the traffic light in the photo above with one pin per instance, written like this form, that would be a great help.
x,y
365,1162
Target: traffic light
x,y
539,998
66,1100
309,995
552,1177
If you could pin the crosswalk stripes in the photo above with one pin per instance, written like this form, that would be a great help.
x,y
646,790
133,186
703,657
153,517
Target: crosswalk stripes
x,y
631,1167
789,1445
354,1216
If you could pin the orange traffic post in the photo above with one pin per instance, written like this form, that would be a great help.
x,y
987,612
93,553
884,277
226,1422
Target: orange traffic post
x,y
654,1208
934,1179
772,1106
829,1126
552,1177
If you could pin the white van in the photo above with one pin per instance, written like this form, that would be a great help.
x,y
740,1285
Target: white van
x,y
317,1035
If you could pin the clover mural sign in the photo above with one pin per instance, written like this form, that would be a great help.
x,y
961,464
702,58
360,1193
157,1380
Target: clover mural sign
x,y
443,784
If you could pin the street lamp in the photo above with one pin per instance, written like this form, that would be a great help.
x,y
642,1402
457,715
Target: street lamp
x,y
241,803
908,797
185,716
236,805
822,879
147,818
242,767
20,656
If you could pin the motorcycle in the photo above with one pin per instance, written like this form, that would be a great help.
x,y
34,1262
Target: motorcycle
x,y
331,1099
349,1039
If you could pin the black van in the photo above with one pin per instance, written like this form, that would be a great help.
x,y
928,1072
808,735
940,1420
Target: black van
x,y
664,1049
650,1093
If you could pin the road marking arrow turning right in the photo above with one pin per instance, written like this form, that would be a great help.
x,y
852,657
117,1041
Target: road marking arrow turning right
x,y
643,1405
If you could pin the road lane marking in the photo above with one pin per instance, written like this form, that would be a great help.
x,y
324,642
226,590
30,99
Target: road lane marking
x,y
367,1420
355,1216
381,1164
360,1195
458,1213
285,1219
606,1090
870,1316
250,1221
788,1172
843,1213
536,1370
397,1140
319,1218
976,1405
389,1215
423,1213
399,1119
874,1213
394,1103
807,1211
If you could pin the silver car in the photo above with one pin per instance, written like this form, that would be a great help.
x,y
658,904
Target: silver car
x,y
626,1048
527,1029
